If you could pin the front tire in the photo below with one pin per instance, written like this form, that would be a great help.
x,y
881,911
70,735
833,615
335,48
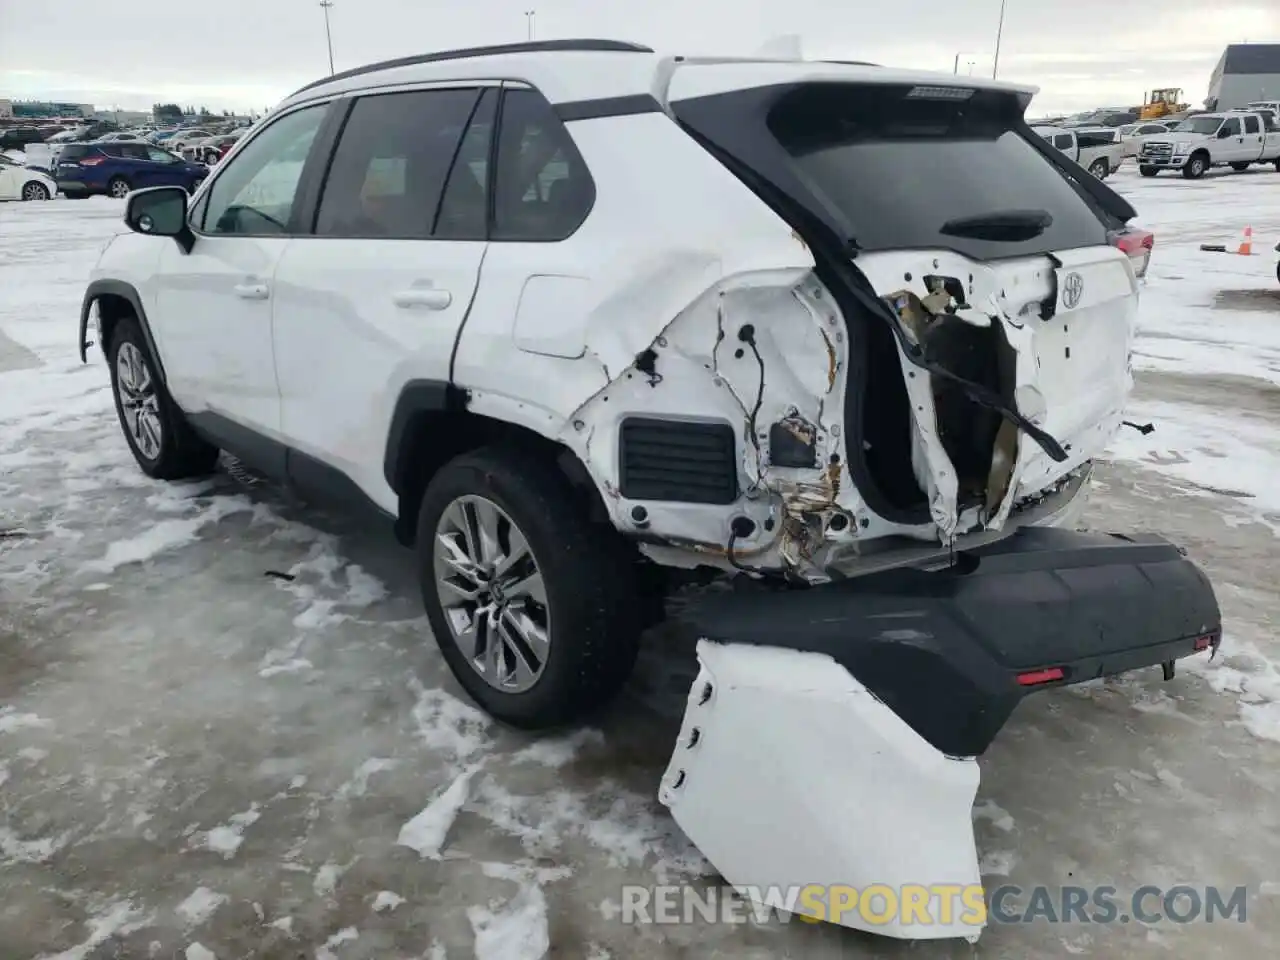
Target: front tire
x,y
533,606
157,433
1148,171
1196,167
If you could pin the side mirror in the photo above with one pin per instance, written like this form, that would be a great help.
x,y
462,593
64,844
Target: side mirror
x,y
160,212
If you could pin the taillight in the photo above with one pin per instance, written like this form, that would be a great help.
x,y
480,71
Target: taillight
x,y
1136,245
92,161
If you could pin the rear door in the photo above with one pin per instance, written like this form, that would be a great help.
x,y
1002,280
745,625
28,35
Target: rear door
x,y
1253,136
377,293
958,221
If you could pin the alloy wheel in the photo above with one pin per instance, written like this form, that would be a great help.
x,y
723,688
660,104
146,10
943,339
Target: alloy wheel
x,y
139,401
119,189
491,591
35,191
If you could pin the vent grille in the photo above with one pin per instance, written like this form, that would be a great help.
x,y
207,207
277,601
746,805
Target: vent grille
x,y
677,461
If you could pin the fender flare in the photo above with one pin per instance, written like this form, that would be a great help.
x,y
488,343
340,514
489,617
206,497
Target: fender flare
x,y
417,397
126,291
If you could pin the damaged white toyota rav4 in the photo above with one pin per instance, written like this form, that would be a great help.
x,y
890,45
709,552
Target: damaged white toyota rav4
x,y
588,323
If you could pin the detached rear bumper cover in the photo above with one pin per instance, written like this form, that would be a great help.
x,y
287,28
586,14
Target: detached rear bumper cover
x,y
830,735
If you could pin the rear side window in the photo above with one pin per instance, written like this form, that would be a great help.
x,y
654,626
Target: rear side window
x,y
899,169
1251,125
72,152
542,190
1063,141
389,171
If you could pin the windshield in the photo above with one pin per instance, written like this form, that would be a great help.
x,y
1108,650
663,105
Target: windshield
x,y
1199,125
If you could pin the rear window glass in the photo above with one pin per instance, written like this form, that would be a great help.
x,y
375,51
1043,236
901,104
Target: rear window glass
x,y
898,169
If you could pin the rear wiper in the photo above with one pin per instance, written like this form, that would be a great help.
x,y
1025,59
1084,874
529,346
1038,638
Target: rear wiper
x,y
1000,225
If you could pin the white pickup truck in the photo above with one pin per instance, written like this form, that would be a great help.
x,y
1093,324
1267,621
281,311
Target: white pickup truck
x,y
1100,151
1233,139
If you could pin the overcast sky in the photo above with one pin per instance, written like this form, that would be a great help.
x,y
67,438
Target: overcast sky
x,y
240,54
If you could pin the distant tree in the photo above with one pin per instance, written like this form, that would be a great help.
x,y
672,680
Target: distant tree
x,y
204,112
166,112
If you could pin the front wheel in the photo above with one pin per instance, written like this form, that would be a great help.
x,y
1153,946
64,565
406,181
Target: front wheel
x,y
157,433
35,191
1196,167
532,605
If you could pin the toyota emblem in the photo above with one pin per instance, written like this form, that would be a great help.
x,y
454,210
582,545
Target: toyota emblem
x,y
1072,290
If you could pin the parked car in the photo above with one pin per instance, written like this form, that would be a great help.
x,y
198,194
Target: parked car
x,y
185,140
22,183
15,138
1134,135
581,342
116,168
1207,140
215,148
1098,151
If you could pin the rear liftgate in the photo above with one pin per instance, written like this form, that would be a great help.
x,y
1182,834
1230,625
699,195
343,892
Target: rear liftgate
x,y
831,735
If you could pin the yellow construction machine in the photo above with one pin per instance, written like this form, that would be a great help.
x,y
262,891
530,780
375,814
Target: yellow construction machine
x,y
1161,103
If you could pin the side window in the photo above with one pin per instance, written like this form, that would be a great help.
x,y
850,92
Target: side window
x,y
464,208
111,149
1062,141
254,195
543,190
1251,125
1232,126
156,155
389,170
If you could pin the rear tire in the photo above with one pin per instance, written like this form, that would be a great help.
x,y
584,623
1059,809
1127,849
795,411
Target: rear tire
x,y
35,191
1148,171
158,434
585,604
1240,167
118,188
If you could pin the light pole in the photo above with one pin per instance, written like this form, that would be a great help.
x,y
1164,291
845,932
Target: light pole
x,y
528,22
999,33
326,5
955,69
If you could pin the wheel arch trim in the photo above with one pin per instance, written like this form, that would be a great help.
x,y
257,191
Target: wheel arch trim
x,y
98,289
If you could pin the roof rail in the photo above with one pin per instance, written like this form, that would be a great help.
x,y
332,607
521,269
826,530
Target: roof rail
x,y
466,53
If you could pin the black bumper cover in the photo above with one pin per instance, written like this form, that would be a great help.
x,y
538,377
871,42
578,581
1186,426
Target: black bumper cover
x,y
954,651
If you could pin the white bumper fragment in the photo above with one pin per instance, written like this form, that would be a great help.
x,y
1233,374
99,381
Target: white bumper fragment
x,y
789,775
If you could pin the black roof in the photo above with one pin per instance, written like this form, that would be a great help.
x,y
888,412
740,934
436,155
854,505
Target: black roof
x,y
531,46
1252,58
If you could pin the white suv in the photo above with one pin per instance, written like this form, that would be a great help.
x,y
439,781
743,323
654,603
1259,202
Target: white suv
x,y
572,310
587,322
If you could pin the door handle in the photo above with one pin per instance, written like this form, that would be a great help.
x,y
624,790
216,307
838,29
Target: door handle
x,y
251,291
432,298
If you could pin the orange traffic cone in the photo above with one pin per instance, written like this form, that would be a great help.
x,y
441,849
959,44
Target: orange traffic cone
x,y
1246,245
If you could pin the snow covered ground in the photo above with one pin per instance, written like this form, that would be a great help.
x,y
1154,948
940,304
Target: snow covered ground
x,y
225,733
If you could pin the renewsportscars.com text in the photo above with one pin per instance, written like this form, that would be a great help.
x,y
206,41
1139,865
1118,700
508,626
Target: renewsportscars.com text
x,y
910,904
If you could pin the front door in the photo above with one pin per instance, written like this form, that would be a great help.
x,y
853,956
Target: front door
x,y
378,295
213,306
